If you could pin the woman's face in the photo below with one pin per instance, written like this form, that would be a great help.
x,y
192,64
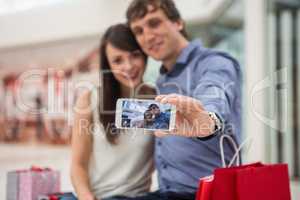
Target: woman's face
x,y
128,67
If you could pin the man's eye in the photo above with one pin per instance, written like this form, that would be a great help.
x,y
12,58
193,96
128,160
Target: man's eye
x,y
154,23
136,54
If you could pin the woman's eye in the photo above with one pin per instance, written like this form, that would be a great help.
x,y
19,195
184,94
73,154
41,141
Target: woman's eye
x,y
117,61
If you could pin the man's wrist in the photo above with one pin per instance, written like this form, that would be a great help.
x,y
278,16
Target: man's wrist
x,y
216,126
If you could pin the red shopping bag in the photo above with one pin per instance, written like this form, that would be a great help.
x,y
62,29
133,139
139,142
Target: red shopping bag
x,y
256,181
247,182
205,188
224,183
206,184
265,182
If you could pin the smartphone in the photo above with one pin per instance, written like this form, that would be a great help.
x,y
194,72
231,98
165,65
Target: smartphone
x,y
144,114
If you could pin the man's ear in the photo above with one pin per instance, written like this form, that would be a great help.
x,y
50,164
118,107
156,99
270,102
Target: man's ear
x,y
180,24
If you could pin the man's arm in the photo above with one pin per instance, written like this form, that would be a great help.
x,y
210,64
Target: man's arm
x,y
215,92
218,86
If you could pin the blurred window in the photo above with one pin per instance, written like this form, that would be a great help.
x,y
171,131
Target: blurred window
x,y
283,52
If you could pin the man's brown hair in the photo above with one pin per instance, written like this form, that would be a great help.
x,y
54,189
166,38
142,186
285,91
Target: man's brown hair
x,y
139,8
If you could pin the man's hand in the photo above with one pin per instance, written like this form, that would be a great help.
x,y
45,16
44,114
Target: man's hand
x,y
191,118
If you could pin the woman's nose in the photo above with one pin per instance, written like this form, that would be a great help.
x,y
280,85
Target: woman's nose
x,y
127,67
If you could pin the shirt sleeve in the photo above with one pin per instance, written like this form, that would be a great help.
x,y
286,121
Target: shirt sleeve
x,y
217,85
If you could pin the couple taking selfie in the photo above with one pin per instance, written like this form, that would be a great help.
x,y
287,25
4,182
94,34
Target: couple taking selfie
x,y
204,85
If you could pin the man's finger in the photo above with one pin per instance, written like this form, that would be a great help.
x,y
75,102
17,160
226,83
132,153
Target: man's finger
x,y
164,98
177,101
159,97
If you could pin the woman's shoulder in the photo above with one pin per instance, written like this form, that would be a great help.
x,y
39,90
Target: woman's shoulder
x,y
87,100
87,95
84,99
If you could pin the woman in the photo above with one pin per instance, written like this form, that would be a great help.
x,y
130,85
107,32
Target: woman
x,y
111,162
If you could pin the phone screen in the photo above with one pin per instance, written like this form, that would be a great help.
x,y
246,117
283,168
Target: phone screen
x,y
146,114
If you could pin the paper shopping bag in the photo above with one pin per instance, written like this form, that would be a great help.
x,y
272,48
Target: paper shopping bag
x,y
205,188
224,183
267,182
254,181
29,184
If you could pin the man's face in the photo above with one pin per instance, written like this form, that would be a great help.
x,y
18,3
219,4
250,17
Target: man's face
x,y
157,35
156,111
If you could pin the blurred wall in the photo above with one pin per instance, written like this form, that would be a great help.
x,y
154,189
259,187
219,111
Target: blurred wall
x,y
79,18
68,19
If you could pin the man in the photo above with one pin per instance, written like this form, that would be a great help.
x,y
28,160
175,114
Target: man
x,y
161,120
205,87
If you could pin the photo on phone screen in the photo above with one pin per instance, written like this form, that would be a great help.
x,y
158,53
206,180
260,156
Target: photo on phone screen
x,y
145,114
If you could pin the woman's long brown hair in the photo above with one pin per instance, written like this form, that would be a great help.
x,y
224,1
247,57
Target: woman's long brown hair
x,y
120,37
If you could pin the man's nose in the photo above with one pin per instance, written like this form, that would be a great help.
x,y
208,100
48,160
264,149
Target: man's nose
x,y
149,35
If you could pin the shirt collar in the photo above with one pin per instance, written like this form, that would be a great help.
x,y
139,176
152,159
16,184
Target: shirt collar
x,y
183,57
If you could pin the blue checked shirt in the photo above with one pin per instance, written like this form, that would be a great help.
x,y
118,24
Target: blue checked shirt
x,y
214,78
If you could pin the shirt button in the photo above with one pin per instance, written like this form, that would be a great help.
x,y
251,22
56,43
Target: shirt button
x,y
159,143
168,187
165,166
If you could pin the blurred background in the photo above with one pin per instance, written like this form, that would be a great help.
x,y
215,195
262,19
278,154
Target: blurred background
x,y
47,47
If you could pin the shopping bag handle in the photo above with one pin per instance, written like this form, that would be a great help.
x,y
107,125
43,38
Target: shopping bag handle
x,y
236,148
